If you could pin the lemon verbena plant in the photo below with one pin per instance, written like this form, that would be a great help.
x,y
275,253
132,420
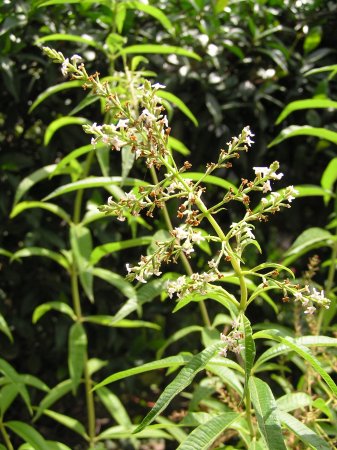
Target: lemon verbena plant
x,y
254,417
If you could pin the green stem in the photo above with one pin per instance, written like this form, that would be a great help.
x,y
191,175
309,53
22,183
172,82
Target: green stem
x,y
7,440
184,260
91,416
249,414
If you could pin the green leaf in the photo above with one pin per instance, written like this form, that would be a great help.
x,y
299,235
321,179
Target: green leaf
x,y
114,406
54,209
329,178
159,49
28,434
310,191
304,433
177,336
312,39
102,250
178,146
204,435
211,179
6,253
227,376
54,90
294,400
62,307
249,351
57,392
73,155
8,394
109,321
77,351
266,413
93,182
305,130
31,380
69,38
305,104
154,12
120,432
179,104
81,245
38,251
182,380
171,361
33,178
4,328
62,122
69,422
311,238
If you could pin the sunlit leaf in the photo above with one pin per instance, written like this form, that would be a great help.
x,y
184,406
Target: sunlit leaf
x,y
311,238
179,104
305,130
61,307
54,209
204,435
56,393
266,413
33,178
69,422
81,245
4,328
178,146
182,380
305,104
154,12
54,90
294,400
102,250
28,434
249,350
114,406
62,122
77,351
329,178
71,38
160,50
38,251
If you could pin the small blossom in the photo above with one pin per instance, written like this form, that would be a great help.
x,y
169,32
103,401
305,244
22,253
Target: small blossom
x,y
197,237
266,187
122,123
76,58
128,268
261,171
64,67
310,310
157,86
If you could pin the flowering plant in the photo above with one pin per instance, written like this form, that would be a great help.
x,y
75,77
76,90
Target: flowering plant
x,y
140,126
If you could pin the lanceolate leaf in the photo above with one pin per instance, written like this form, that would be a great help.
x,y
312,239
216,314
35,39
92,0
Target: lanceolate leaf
x,y
204,435
55,209
311,238
28,434
4,328
57,306
109,321
70,37
159,49
294,400
53,90
33,178
304,433
69,422
93,182
38,251
152,11
61,122
99,252
81,245
329,178
114,406
179,104
171,361
266,413
57,392
249,351
178,146
295,130
305,104
182,380
77,351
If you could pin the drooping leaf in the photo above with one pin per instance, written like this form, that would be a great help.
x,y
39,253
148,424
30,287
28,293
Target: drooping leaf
x,y
305,130
120,432
102,250
305,104
159,49
304,433
77,350
62,122
53,90
204,435
62,307
51,207
38,251
294,400
56,393
4,328
171,361
182,380
228,376
69,422
177,336
93,182
109,321
28,434
329,178
114,406
8,395
70,37
266,413
33,178
179,104
152,11
178,146
81,245
311,238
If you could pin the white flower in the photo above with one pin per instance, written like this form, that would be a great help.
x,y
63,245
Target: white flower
x,y
197,237
76,58
130,196
64,67
117,143
310,310
122,123
261,171
298,296
180,233
158,86
266,187
128,267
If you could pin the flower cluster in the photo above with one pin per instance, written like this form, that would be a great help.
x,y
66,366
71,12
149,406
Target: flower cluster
x,y
232,340
196,283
